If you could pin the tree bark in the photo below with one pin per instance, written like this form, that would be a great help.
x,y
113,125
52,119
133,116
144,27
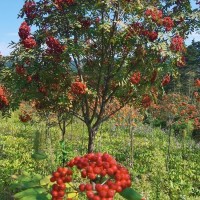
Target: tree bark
x,y
92,133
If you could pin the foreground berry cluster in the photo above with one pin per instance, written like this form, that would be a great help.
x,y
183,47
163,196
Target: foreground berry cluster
x,y
103,177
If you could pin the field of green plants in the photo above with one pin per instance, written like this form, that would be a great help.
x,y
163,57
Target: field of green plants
x,y
162,166
100,100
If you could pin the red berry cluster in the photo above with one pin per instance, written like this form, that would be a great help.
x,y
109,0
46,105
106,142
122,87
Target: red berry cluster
x,y
25,117
24,31
95,166
154,76
30,9
197,82
135,78
20,70
168,23
152,35
156,16
54,45
166,80
61,3
181,62
29,79
70,2
138,29
106,177
146,101
85,23
177,44
61,176
43,90
3,99
78,88
29,42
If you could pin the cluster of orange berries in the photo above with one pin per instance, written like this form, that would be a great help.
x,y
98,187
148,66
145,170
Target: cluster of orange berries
x,y
3,99
20,70
138,29
25,117
146,101
157,17
106,177
61,3
177,44
61,176
135,78
54,45
30,9
78,88
24,33
166,80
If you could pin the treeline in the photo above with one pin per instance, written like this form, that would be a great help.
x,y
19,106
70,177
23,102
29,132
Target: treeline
x,y
185,82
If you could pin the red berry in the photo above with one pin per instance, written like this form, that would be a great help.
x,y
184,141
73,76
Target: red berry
x,y
55,187
60,169
54,193
90,194
102,193
62,186
117,177
69,172
88,187
91,176
105,187
56,174
110,171
89,169
110,193
96,198
113,186
103,173
52,179
82,187
59,181
83,174
97,170
68,179
61,193
118,189
98,187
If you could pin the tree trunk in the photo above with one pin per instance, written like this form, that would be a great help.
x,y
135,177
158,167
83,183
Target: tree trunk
x,y
92,133
63,141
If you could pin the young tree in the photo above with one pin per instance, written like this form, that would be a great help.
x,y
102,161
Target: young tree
x,y
84,54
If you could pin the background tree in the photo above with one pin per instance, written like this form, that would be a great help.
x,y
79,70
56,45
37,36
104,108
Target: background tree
x,y
84,54
189,71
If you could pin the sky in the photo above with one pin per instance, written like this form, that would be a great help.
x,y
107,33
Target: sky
x,y
9,24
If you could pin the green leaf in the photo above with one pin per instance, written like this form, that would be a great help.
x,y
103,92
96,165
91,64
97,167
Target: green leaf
x,y
73,195
26,181
45,180
37,176
39,156
30,197
37,197
30,184
29,192
130,194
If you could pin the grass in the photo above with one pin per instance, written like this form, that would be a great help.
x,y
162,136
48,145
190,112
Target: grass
x,y
159,170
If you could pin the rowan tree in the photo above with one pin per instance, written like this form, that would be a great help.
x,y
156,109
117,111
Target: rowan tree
x,y
76,56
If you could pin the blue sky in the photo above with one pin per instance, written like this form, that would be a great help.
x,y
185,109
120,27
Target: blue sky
x,y
9,24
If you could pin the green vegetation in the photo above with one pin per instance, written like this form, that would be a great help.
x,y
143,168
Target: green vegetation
x,y
163,167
